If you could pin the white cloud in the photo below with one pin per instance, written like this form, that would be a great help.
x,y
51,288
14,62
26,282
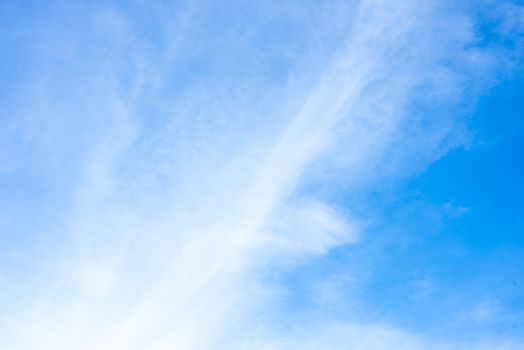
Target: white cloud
x,y
188,192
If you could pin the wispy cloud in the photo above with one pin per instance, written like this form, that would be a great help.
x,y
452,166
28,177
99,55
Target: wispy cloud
x,y
198,157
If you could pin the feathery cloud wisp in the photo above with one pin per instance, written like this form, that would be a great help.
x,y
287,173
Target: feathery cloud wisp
x,y
196,158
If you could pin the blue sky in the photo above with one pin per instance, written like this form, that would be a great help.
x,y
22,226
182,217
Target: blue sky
x,y
261,175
